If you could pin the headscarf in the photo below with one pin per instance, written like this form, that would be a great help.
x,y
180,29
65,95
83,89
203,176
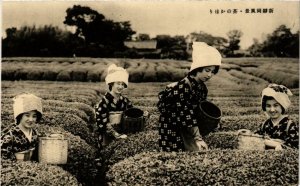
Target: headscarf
x,y
280,93
26,102
115,74
204,55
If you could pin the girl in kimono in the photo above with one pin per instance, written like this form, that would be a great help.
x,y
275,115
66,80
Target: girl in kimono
x,y
179,103
278,127
112,101
22,137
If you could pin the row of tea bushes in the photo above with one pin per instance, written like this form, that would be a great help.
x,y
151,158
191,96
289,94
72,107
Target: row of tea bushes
x,y
147,141
32,173
240,71
213,167
251,121
227,122
248,78
276,76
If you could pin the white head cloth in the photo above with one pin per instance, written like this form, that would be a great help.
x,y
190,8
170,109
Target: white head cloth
x,y
205,55
115,74
26,102
280,93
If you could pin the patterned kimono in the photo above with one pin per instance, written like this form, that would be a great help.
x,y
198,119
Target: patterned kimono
x,y
106,105
178,106
286,130
15,141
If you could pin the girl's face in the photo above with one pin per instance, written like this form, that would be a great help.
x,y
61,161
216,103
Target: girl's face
x,y
206,74
118,87
29,119
273,109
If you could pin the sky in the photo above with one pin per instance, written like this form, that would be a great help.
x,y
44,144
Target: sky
x,y
165,17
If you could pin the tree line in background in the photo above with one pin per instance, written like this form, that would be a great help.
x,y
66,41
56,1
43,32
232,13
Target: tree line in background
x,y
96,36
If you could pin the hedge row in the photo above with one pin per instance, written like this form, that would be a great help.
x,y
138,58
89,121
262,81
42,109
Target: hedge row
x,y
33,173
145,70
70,123
227,123
275,76
213,167
147,141
247,78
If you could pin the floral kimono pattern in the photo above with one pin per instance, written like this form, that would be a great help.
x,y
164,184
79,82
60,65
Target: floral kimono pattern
x,y
178,106
286,130
106,105
15,141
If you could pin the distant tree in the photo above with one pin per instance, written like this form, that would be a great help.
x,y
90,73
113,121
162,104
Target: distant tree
x,y
217,42
255,48
143,37
96,30
281,43
233,41
84,19
172,47
42,41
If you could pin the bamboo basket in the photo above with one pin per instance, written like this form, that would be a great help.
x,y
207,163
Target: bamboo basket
x,y
249,141
53,149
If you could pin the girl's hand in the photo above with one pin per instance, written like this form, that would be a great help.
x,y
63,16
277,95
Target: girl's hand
x,y
202,145
278,147
146,113
267,137
122,136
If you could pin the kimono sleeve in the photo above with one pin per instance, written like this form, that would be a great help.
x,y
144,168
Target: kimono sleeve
x,y
262,129
292,138
102,115
6,146
184,109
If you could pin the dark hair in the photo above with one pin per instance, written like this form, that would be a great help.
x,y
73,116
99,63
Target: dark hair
x,y
200,69
264,103
19,117
112,83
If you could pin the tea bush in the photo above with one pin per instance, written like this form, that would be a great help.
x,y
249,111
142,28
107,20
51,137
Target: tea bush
x,y
247,77
69,69
93,75
214,167
79,74
33,173
150,76
275,76
64,76
162,73
35,74
8,74
20,74
50,75
147,141
70,123
67,110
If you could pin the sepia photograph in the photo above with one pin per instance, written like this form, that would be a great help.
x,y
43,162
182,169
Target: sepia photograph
x,y
138,92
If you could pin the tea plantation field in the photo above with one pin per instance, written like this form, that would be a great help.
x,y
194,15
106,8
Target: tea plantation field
x,y
70,89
